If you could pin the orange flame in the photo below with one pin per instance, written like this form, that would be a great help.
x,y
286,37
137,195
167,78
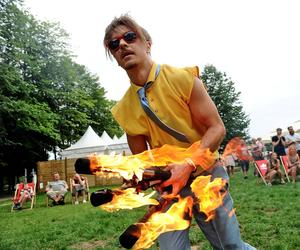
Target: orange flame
x,y
129,199
128,166
176,218
210,194
235,146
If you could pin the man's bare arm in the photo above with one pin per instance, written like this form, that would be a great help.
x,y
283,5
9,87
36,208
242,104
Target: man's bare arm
x,y
205,113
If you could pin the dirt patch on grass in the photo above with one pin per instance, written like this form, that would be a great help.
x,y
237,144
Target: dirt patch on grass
x,y
89,244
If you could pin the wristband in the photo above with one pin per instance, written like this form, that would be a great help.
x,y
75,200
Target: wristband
x,y
190,162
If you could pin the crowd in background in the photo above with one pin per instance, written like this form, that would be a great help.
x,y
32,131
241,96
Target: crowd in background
x,y
282,145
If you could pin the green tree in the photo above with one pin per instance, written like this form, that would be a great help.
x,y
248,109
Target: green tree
x,y
46,99
222,91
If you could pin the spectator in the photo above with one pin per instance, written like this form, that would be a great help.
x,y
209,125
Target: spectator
x,y
278,142
230,163
293,137
244,157
79,187
56,190
256,153
26,194
274,169
293,162
261,145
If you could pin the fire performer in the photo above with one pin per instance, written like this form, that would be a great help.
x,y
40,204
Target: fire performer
x,y
168,105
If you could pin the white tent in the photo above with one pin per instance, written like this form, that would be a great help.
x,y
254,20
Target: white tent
x,y
91,143
105,137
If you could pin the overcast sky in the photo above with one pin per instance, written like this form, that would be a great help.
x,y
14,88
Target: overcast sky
x,y
256,42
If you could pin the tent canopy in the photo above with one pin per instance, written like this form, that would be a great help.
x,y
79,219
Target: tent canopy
x,y
91,143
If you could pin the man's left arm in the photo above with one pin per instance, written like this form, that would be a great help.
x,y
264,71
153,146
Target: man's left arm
x,y
204,113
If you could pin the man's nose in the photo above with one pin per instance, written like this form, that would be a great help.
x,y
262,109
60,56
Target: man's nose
x,y
123,43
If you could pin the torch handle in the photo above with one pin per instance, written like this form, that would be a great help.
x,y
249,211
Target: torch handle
x,y
156,173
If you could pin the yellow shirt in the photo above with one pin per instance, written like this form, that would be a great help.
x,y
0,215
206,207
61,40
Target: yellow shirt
x,y
168,97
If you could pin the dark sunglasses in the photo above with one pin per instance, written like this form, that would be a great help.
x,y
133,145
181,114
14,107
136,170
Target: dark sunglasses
x,y
129,37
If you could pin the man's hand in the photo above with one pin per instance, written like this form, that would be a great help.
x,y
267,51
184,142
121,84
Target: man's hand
x,y
180,175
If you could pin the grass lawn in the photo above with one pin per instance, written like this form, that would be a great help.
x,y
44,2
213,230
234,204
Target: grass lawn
x,y
269,219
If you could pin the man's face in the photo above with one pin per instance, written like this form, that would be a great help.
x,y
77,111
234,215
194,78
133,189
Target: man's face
x,y
279,131
129,54
56,177
291,130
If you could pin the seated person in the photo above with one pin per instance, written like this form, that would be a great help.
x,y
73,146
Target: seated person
x,y
25,194
274,169
293,161
79,187
57,189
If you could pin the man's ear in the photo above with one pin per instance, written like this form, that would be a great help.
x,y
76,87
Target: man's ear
x,y
148,44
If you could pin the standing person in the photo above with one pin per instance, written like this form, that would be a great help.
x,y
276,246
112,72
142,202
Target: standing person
x,y
178,97
278,142
230,163
256,152
261,146
57,189
244,157
293,137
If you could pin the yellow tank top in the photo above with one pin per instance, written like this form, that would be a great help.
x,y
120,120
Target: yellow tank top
x,y
169,98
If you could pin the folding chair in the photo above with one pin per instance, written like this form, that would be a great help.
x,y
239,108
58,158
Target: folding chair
x,y
285,164
18,193
262,168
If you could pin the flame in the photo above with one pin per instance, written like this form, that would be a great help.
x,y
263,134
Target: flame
x,y
209,194
128,166
178,217
234,146
128,199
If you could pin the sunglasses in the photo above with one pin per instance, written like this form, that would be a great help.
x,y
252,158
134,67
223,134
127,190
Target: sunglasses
x,y
129,37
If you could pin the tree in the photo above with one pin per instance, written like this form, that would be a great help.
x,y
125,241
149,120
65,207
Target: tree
x,y
46,98
222,91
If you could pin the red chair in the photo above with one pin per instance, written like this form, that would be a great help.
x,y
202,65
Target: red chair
x,y
262,168
285,164
18,194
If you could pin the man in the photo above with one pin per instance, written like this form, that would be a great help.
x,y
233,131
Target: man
x,y
278,142
293,137
178,97
57,189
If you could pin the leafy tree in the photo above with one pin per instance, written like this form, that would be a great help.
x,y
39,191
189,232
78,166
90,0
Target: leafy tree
x,y
46,99
222,91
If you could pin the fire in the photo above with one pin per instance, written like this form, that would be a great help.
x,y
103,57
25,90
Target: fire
x,y
178,217
128,166
128,199
234,146
210,194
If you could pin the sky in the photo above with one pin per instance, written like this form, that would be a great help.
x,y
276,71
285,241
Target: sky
x,y
256,42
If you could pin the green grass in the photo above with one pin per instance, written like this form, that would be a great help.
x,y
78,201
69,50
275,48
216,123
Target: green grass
x,y
269,219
